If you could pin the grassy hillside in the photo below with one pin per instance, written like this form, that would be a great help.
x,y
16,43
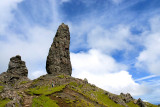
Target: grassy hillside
x,y
66,92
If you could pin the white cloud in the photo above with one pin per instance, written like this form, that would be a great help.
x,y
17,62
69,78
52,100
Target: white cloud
x,y
96,62
149,58
33,50
34,41
103,71
110,40
37,74
6,16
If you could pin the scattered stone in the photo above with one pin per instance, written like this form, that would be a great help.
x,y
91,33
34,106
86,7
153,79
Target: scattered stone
x,y
58,60
126,97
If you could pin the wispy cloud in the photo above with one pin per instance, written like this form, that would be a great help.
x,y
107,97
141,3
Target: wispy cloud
x,y
147,77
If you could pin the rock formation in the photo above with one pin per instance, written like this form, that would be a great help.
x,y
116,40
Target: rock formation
x,y
140,103
126,97
13,80
58,60
16,70
17,66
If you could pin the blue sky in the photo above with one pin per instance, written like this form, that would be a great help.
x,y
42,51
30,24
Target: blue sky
x,y
115,44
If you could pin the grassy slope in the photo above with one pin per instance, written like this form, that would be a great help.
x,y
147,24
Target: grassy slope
x,y
68,91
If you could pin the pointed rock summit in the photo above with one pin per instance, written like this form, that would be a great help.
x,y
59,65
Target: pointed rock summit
x,y
58,60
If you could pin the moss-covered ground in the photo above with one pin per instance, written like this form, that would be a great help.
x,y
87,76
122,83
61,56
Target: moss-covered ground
x,y
67,91
45,90
43,101
1,88
23,82
94,95
4,102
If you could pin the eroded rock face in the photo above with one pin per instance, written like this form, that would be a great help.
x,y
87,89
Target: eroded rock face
x,y
17,70
140,103
116,99
126,97
17,66
58,60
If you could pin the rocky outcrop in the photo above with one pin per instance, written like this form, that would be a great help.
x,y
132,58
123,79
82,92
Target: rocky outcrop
x,y
14,79
16,70
17,66
58,60
126,97
140,103
116,99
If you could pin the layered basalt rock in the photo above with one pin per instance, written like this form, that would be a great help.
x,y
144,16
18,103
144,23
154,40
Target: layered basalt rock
x,y
58,60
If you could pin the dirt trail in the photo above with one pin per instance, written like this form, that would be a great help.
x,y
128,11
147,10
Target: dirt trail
x,y
27,99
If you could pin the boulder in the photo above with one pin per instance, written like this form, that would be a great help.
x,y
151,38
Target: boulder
x,y
58,59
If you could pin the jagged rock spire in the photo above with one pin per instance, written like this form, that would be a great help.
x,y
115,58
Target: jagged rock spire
x,y
17,66
58,60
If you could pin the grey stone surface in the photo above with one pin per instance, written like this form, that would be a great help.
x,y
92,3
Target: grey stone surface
x,y
58,59
126,97
117,99
17,70
17,66
140,103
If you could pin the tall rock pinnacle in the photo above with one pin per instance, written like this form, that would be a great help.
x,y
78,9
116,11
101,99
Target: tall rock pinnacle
x,y
58,60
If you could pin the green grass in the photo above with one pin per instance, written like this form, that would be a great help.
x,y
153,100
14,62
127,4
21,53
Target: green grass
x,y
23,82
84,103
4,102
45,90
131,104
61,76
35,81
1,88
104,99
76,85
150,105
97,96
43,101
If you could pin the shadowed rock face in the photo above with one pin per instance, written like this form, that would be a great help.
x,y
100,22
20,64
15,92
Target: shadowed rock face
x,y
58,60
17,66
